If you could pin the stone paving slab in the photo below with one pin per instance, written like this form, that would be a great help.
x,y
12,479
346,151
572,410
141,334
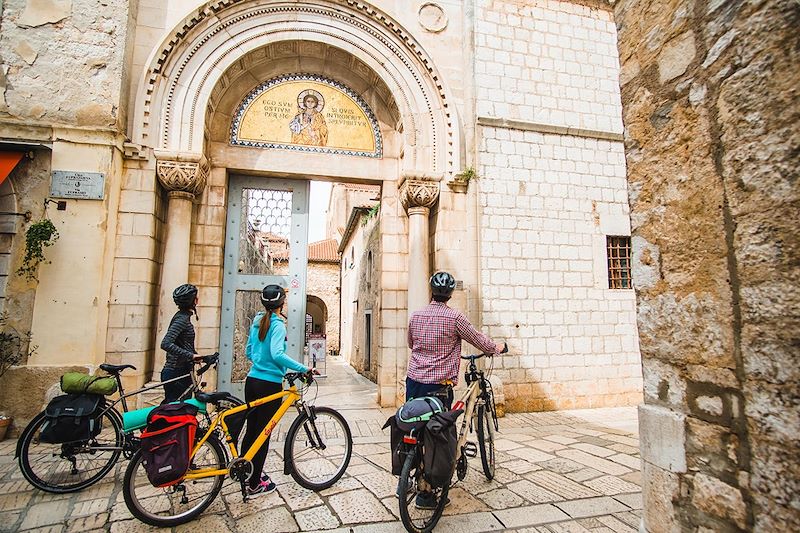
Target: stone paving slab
x,y
557,471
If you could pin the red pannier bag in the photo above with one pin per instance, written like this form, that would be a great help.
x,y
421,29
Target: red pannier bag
x,y
167,443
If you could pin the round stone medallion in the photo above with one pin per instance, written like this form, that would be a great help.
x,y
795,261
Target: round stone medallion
x,y
432,17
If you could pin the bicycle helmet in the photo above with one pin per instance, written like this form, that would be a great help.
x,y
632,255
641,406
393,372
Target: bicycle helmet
x,y
273,296
184,296
442,284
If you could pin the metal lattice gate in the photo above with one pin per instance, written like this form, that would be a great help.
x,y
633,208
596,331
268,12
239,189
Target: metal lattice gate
x,y
266,241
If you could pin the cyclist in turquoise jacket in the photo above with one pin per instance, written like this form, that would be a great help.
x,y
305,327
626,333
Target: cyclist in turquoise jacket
x,y
266,348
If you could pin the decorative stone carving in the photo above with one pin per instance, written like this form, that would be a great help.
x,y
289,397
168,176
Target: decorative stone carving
x,y
432,17
183,176
415,192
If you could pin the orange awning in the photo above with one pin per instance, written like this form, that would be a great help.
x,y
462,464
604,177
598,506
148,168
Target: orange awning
x,y
8,160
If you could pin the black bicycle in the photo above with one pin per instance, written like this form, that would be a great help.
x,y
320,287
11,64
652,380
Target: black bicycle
x,y
421,505
73,466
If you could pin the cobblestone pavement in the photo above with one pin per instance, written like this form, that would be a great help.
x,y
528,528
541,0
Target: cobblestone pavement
x,y
568,471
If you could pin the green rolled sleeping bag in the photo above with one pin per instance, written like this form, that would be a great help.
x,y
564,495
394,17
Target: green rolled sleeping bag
x,y
80,383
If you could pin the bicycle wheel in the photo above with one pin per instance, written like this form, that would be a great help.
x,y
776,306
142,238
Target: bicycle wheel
x,y
61,468
318,450
420,505
486,439
176,504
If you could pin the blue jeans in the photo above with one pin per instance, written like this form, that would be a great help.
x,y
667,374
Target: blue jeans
x,y
174,390
415,389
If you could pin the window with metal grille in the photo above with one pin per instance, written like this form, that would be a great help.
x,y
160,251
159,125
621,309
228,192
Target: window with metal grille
x,y
619,262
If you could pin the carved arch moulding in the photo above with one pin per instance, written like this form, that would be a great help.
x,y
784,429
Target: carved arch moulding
x,y
182,73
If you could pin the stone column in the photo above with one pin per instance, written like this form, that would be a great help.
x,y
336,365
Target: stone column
x,y
184,176
418,196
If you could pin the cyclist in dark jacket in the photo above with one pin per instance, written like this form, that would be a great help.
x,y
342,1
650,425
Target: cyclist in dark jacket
x,y
179,343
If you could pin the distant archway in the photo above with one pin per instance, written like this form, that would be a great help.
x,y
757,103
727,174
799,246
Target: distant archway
x,y
316,308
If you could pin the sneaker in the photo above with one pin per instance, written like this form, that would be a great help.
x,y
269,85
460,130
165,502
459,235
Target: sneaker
x,y
264,487
427,501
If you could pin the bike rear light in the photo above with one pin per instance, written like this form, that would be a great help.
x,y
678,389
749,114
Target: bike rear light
x,y
458,405
409,440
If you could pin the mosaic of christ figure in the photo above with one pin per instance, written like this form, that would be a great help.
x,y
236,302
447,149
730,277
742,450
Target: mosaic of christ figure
x,y
308,126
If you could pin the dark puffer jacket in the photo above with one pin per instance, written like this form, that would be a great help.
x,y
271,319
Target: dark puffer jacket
x,y
179,341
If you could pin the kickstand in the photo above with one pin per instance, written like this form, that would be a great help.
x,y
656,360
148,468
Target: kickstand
x,y
244,491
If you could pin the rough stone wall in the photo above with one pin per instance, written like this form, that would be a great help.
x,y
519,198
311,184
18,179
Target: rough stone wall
x,y
63,61
712,120
551,188
368,300
323,282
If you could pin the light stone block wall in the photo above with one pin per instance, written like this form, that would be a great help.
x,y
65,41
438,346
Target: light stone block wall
x,y
573,340
206,257
548,62
550,191
137,266
392,323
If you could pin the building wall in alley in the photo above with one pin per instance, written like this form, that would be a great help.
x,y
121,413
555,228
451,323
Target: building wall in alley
x,y
551,189
712,121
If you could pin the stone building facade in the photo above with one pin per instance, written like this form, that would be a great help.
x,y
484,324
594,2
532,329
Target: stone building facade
x,y
712,124
150,94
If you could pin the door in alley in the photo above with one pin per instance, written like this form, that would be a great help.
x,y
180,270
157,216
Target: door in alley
x,y
266,241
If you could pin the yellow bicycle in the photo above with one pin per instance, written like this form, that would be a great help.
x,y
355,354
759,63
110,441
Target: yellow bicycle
x,y
316,452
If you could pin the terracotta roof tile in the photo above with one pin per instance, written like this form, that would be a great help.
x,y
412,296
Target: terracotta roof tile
x,y
318,252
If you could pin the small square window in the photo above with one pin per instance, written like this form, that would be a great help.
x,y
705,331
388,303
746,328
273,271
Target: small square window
x,y
619,262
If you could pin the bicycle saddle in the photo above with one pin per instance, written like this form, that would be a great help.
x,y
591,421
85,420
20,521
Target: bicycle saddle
x,y
211,397
115,369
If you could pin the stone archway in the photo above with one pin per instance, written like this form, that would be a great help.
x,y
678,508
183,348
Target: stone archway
x,y
224,49
316,307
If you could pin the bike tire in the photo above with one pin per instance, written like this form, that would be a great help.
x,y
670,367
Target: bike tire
x,y
338,443
407,491
136,489
34,454
486,440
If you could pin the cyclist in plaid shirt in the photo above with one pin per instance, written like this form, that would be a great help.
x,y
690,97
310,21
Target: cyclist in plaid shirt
x,y
435,333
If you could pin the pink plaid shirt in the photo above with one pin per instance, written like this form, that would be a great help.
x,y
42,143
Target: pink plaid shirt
x,y
434,336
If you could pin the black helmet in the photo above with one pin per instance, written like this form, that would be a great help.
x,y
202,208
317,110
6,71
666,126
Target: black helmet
x,y
442,284
184,296
273,296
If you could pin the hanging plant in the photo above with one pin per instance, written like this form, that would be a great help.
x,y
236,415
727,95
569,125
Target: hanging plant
x,y
39,236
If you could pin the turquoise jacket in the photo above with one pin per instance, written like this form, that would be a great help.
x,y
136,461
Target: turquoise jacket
x,y
269,358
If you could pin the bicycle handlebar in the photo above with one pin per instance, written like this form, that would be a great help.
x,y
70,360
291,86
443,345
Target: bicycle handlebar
x,y
303,377
208,360
479,355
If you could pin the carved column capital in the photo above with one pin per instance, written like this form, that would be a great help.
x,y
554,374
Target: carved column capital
x,y
415,192
182,173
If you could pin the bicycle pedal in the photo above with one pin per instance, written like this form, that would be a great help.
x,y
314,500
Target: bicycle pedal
x,y
470,449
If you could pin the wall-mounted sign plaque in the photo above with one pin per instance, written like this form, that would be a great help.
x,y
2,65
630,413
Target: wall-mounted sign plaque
x,y
307,113
81,185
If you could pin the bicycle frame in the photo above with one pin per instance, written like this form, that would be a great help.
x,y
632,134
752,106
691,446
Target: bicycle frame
x,y
123,395
291,397
468,402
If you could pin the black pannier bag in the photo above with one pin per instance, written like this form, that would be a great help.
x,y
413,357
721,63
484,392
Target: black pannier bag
x,y
71,418
395,441
439,445
167,443
412,415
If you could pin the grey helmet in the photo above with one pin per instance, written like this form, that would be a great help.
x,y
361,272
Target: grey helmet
x,y
273,296
442,284
184,296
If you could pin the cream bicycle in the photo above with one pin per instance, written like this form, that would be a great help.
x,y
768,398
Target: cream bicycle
x,y
477,402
